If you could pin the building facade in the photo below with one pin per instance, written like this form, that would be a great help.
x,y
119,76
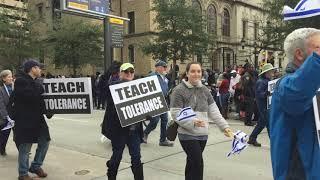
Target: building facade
x,y
234,22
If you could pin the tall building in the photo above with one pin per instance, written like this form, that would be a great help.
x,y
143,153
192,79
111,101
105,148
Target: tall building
x,y
234,22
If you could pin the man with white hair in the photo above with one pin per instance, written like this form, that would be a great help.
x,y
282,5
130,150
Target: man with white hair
x,y
295,151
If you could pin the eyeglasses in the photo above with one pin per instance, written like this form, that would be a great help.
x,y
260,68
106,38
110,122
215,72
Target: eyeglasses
x,y
128,71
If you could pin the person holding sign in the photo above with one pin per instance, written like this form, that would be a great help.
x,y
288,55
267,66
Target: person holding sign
x,y
261,92
5,92
295,152
130,135
191,96
161,69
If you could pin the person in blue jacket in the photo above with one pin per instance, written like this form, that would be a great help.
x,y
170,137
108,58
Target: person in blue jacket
x,y
160,72
261,95
295,150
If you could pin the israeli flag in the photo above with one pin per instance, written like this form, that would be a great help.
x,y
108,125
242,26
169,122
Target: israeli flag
x,y
186,114
239,143
304,9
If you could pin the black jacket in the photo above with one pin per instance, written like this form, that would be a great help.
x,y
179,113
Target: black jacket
x,y
111,127
29,108
248,83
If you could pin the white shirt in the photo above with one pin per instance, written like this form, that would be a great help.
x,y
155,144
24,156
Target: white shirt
x,y
233,82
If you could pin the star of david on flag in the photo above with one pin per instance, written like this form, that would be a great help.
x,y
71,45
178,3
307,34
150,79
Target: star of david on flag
x,y
304,9
239,143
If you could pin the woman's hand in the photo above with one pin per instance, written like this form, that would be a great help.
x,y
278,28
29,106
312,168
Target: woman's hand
x,y
199,123
228,132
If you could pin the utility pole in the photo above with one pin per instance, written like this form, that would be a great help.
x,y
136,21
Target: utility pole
x,y
107,44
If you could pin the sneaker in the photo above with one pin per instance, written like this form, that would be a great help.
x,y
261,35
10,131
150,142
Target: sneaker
x,y
25,177
39,172
145,138
166,143
254,143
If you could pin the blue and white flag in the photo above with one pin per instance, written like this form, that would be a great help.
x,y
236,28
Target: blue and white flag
x,y
10,124
304,9
186,114
239,143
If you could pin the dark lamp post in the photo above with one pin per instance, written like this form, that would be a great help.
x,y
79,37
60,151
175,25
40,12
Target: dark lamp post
x,y
243,43
255,46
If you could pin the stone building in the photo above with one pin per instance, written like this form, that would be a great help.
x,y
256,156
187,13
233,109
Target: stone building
x,y
234,22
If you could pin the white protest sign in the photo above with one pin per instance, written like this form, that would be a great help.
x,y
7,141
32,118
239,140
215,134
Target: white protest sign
x,y
316,106
271,86
68,95
136,99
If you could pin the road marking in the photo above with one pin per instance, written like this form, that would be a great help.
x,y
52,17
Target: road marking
x,y
66,119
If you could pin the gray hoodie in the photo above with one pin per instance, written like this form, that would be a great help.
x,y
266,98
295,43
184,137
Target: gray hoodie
x,y
201,101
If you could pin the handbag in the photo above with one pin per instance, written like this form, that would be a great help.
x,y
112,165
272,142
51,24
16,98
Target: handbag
x,y
172,130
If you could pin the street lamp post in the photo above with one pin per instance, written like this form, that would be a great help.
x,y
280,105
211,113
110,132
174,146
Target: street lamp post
x,y
243,43
223,64
255,46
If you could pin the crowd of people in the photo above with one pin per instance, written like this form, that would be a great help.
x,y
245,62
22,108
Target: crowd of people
x,y
209,96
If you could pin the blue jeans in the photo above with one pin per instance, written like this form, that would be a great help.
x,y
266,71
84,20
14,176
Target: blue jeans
x,y
23,157
163,129
262,121
133,141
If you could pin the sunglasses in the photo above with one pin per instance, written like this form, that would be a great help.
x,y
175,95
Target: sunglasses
x,y
128,71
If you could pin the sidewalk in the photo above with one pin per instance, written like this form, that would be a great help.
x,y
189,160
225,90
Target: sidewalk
x,y
160,163
60,164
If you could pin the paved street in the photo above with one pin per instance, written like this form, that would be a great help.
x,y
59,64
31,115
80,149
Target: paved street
x,y
76,153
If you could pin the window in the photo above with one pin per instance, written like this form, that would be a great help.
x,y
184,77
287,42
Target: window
x,y
255,33
212,20
131,28
226,23
244,29
40,10
131,53
196,4
228,59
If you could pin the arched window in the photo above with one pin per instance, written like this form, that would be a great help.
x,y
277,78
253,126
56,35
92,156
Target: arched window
x,y
196,4
212,19
226,23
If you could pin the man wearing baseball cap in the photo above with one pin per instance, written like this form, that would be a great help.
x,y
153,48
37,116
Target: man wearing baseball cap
x,y
160,72
30,124
29,64
261,94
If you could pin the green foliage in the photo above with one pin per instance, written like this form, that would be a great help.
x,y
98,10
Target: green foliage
x,y
17,40
274,29
180,31
77,43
